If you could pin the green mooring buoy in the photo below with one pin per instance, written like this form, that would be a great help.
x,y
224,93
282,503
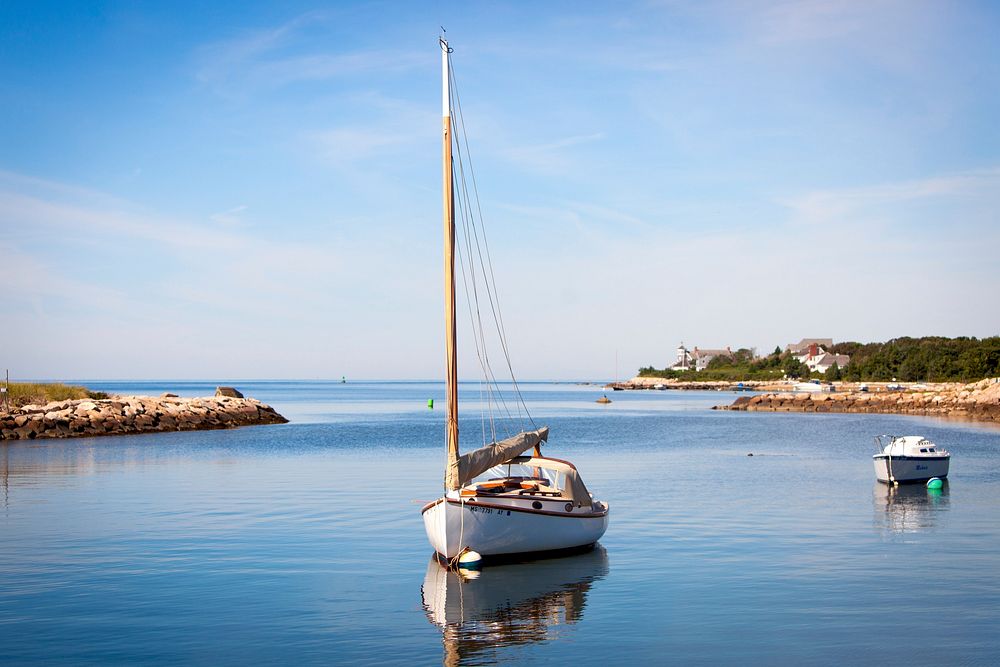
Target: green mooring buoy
x,y
430,403
935,483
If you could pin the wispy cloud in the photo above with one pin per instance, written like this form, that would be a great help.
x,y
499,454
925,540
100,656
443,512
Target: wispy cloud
x,y
549,156
968,188
807,20
224,255
392,127
281,55
39,282
345,146
230,217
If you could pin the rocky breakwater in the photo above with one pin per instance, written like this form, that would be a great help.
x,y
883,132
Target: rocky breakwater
x,y
641,382
121,415
978,401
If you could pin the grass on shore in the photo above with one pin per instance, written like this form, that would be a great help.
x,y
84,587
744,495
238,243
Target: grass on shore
x,y
24,393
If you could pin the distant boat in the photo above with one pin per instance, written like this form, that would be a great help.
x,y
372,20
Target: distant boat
x,y
909,458
527,503
812,387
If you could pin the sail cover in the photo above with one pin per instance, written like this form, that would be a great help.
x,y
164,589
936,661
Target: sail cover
x,y
469,466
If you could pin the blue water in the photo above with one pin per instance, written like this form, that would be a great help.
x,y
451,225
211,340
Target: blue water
x,y
303,544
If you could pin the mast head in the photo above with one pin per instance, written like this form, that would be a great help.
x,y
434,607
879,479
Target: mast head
x,y
445,77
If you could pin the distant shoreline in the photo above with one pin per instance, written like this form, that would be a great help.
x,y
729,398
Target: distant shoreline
x,y
978,401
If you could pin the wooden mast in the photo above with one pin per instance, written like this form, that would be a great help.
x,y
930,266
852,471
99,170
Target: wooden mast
x,y
451,337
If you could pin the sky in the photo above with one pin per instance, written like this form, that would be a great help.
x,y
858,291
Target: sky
x,y
252,190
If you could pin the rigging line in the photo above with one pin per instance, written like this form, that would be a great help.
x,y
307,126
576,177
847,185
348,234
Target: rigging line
x,y
493,384
497,311
481,349
468,301
475,340
469,222
486,280
468,272
495,394
469,275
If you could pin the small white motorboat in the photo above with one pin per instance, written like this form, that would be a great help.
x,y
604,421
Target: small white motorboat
x,y
812,387
909,458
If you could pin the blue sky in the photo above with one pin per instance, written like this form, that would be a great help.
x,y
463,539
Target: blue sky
x,y
247,190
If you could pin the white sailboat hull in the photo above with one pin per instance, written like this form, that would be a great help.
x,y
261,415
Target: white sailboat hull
x,y
509,528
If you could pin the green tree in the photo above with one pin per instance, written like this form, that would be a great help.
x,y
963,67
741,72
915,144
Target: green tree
x,y
832,373
794,368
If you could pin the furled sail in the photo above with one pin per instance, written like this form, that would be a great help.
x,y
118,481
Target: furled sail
x,y
468,466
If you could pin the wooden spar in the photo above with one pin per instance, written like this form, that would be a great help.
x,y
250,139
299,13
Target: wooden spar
x,y
451,337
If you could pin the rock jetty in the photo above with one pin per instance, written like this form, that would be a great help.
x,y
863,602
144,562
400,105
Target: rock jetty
x,y
122,415
978,401
641,382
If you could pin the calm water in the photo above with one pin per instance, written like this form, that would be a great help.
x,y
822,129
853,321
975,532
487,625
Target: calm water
x,y
303,543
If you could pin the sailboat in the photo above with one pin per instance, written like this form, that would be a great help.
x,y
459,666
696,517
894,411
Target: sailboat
x,y
504,498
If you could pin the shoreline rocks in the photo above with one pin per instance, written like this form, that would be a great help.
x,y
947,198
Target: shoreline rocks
x,y
979,401
639,383
126,415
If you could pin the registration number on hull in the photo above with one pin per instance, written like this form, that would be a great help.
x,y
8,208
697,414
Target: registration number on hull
x,y
488,510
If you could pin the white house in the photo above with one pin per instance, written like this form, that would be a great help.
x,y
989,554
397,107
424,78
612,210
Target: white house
x,y
803,345
816,358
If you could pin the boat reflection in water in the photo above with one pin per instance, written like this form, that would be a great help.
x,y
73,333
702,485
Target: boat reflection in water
x,y
481,613
908,508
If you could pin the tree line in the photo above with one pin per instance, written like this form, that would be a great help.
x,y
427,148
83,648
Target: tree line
x,y
926,359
